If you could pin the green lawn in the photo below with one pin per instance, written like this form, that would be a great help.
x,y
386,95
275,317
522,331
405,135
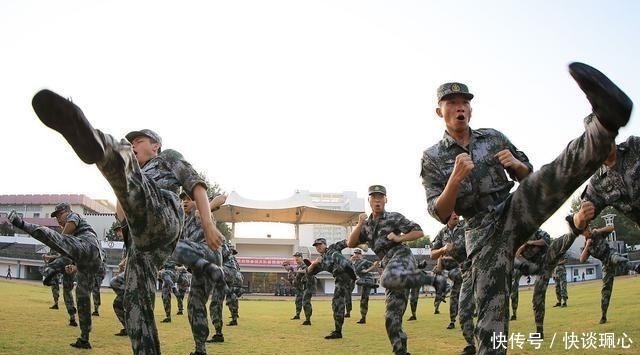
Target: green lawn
x,y
27,326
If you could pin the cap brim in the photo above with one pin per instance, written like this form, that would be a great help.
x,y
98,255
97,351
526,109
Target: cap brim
x,y
465,95
54,213
316,243
135,134
377,192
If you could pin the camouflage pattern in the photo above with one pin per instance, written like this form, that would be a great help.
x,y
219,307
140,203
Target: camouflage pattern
x,y
366,283
169,280
193,252
414,293
117,285
611,260
451,262
148,196
499,221
467,305
84,249
560,280
342,270
55,290
97,283
304,285
233,278
400,270
529,263
348,299
618,186
68,284
453,89
183,283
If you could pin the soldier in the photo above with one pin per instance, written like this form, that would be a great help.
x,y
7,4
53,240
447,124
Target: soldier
x,y
193,250
234,279
386,234
184,282
78,241
414,293
96,286
449,248
304,284
596,245
528,255
363,268
68,284
465,172
146,181
169,279
332,260
54,278
560,278
117,284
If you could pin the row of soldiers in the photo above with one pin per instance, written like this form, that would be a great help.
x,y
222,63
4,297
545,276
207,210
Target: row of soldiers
x,y
471,172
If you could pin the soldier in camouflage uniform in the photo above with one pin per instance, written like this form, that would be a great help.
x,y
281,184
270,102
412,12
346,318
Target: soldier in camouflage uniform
x,y
332,260
414,293
117,284
78,241
465,172
597,245
560,279
363,268
55,269
191,251
449,248
169,279
97,283
529,255
303,283
145,180
386,234
184,282
51,277
234,279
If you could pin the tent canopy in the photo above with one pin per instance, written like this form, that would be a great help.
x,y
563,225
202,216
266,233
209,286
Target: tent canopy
x,y
294,210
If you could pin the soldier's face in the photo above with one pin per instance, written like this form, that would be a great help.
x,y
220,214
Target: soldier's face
x,y
298,259
188,204
321,248
144,149
377,202
456,111
61,217
453,220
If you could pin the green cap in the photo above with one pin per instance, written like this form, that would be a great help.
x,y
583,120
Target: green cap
x,y
447,89
377,189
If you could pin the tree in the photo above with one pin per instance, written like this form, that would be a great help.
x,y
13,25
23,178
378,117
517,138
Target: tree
x,y
111,233
7,229
420,242
213,191
626,230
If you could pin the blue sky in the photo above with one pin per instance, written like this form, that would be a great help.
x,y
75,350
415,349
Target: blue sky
x,y
272,96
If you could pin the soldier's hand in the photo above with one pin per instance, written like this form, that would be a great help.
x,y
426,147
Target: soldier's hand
x,y
507,160
462,167
586,213
362,217
448,247
394,237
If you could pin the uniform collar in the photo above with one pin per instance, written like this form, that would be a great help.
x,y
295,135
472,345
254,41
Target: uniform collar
x,y
448,141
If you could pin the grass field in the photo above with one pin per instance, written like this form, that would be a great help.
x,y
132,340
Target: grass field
x,y
27,326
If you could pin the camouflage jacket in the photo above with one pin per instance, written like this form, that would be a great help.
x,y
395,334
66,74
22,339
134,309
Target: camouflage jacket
x,y
618,186
454,236
301,279
535,253
84,230
334,262
600,248
364,278
483,192
170,171
375,231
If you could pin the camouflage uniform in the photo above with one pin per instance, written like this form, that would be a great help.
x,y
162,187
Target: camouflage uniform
x,y
453,264
348,299
414,293
184,282
68,283
97,283
169,279
55,290
400,270
366,283
233,278
84,249
560,278
193,252
342,270
611,260
530,263
117,285
304,284
499,221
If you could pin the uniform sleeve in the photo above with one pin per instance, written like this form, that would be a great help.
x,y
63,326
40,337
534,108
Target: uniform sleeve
x,y
433,182
184,172
339,246
405,225
437,241
518,154
362,238
591,194
73,218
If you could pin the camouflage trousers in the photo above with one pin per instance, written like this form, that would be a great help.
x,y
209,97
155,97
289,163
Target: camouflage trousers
x,y
498,233
117,285
155,218
562,293
68,283
348,299
55,292
232,302
215,307
364,300
169,279
97,283
515,294
467,305
194,255
455,275
609,266
183,286
299,295
339,300
400,274
414,293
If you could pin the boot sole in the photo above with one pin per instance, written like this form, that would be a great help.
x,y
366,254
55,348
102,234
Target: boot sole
x,y
66,118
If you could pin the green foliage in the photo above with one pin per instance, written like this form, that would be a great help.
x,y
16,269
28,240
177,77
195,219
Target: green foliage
x,y
7,229
111,233
420,242
626,229
213,191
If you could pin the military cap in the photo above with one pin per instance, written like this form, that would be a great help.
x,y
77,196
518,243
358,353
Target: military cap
x,y
447,89
61,207
297,254
377,189
319,241
357,251
144,133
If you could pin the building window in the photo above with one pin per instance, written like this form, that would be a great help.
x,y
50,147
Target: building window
x,y
36,215
575,272
590,271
